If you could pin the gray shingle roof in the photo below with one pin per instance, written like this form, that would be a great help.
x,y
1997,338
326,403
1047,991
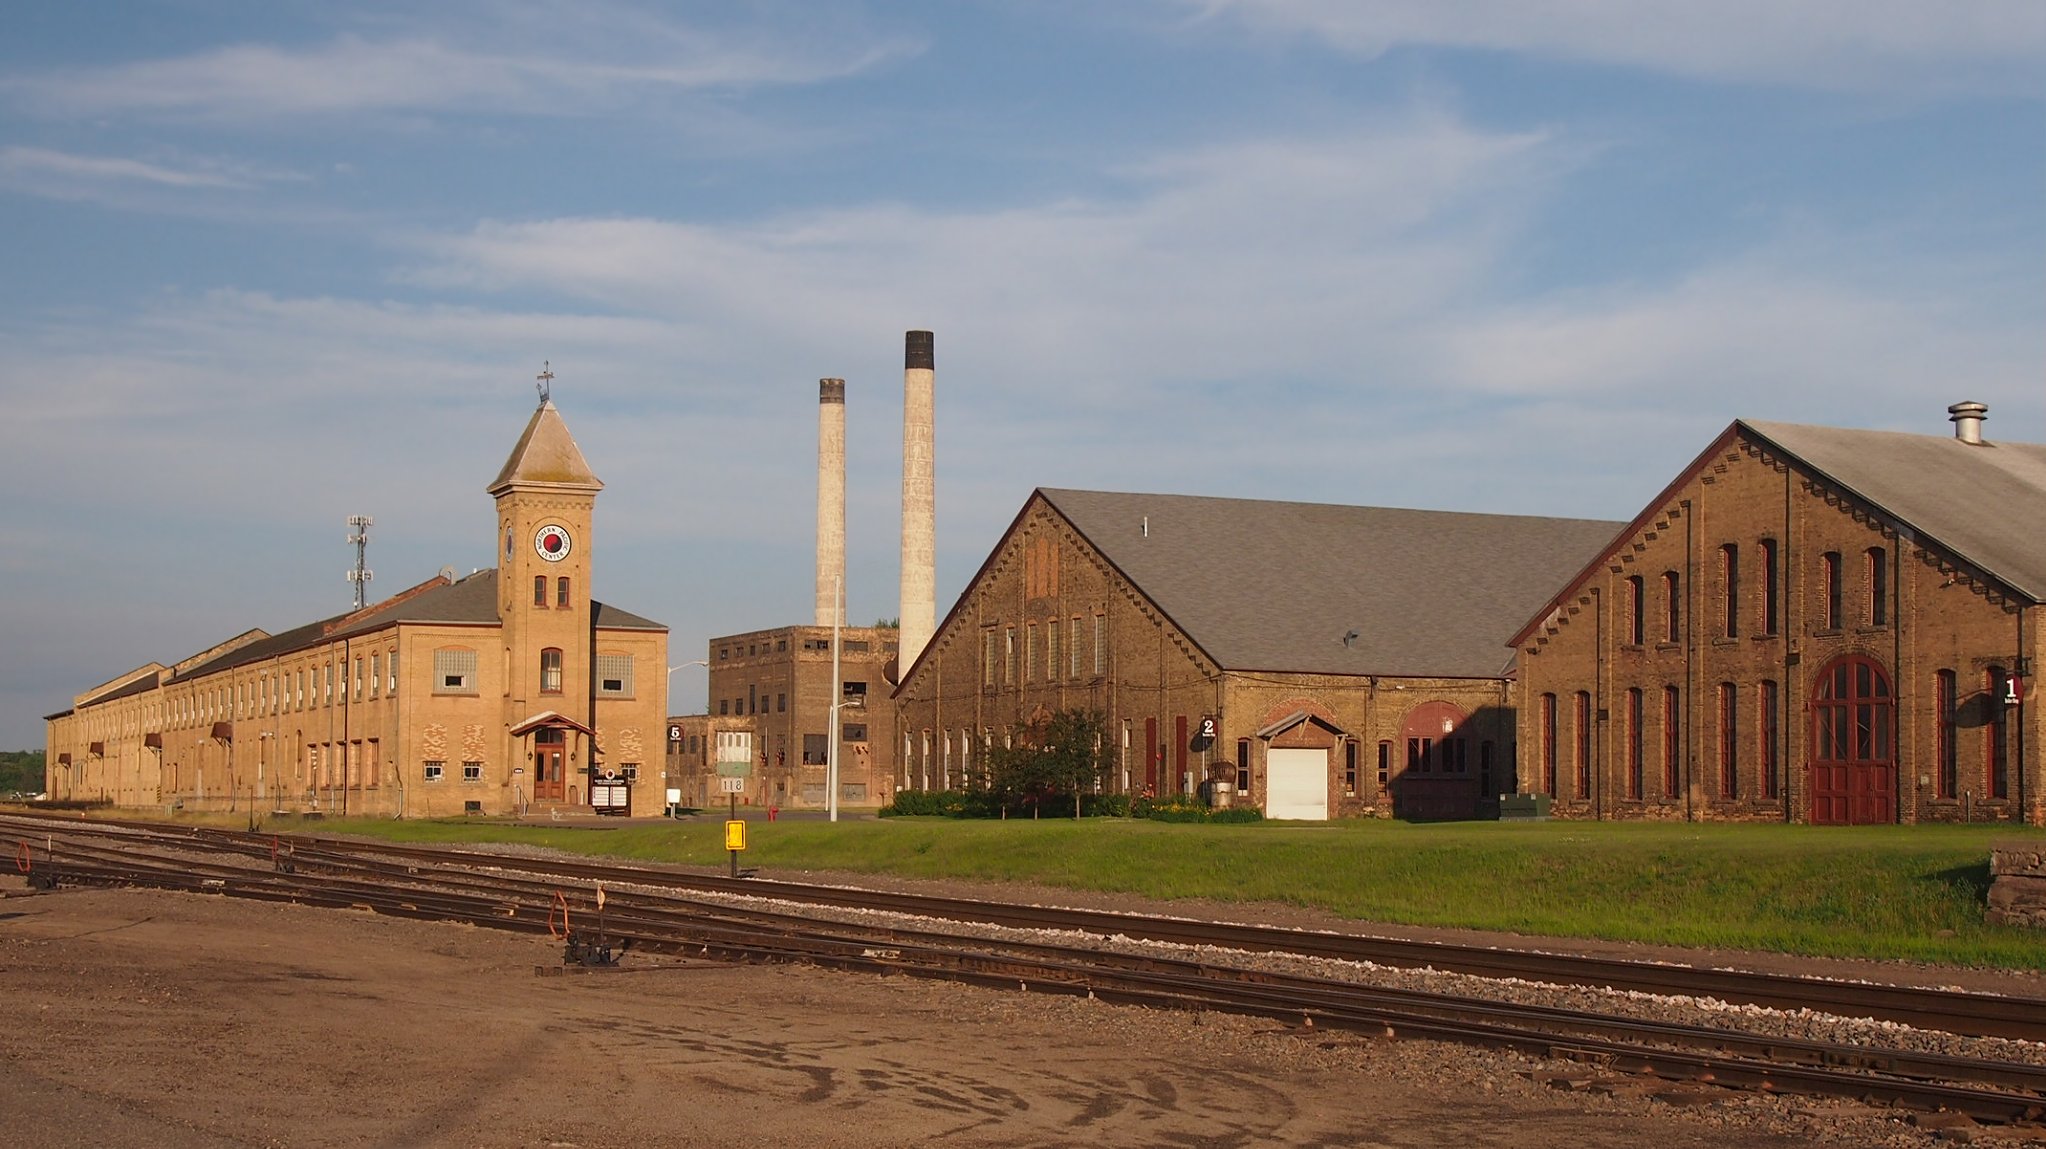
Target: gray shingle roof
x,y
1986,504
1276,586
467,601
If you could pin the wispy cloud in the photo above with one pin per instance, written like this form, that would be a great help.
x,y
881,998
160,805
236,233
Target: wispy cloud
x,y
1896,46
576,63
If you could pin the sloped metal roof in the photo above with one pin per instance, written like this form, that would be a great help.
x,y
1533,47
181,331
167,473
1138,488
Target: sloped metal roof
x,y
1985,503
1327,589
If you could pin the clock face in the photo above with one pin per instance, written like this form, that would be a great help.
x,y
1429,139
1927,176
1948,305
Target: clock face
x,y
553,543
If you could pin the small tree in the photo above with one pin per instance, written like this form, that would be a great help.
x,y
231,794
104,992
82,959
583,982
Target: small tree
x,y
1064,753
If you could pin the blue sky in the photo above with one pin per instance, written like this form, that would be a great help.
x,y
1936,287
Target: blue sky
x,y
275,263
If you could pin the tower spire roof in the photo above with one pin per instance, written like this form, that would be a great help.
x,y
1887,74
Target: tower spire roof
x,y
546,455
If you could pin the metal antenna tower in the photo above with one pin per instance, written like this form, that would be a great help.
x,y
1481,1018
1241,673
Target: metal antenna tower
x,y
361,575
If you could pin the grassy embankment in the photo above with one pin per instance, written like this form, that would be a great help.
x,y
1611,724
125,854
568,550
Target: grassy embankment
x,y
1913,892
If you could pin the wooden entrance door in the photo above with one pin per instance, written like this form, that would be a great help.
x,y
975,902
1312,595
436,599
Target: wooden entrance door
x,y
1853,767
550,746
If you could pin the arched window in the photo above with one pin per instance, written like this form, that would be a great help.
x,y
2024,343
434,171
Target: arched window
x,y
1730,590
1581,744
1769,708
1729,739
1672,742
1548,739
1997,733
1634,742
1946,691
539,590
1769,569
1672,612
550,670
1878,587
1829,568
1636,610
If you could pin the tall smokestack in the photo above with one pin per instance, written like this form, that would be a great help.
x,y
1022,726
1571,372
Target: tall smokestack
x,y
830,498
919,504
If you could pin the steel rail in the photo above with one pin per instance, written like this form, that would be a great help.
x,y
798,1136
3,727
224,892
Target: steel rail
x,y
1971,1014
1285,997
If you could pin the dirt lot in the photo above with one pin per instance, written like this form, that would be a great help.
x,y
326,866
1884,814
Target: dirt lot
x,y
131,1018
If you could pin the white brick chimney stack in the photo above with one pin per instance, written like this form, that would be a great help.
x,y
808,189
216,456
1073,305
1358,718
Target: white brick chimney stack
x,y
830,498
919,616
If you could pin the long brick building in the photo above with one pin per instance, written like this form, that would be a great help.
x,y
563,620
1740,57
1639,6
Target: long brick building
x,y
1320,661
507,690
1807,624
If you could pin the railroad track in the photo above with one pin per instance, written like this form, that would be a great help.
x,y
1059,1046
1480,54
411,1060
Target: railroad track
x,y
665,912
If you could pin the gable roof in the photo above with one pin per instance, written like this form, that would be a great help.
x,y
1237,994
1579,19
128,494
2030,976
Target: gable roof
x,y
1325,589
546,456
1983,504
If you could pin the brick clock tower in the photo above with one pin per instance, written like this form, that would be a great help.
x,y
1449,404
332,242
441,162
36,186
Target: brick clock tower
x,y
545,495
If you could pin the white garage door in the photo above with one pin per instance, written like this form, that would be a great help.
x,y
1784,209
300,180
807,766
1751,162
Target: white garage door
x,y
1296,784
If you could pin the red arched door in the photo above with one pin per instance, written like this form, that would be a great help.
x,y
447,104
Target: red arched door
x,y
1853,767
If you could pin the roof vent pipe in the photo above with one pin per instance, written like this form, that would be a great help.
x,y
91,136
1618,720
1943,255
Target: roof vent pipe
x,y
1967,419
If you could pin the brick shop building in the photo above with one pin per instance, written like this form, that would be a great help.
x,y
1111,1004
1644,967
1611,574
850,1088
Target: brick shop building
x,y
1317,661
1809,624
507,690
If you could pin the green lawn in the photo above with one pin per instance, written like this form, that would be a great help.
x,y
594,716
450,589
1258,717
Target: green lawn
x,y
1912,892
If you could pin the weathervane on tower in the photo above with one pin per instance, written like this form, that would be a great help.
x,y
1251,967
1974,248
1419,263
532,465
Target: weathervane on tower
x,y
546,378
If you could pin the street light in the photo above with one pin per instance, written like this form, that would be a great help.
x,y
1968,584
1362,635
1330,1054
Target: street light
x,y
703,662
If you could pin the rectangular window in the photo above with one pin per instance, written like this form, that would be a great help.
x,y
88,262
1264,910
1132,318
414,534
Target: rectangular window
x,y
1243,765
724,707
1672,745
1878,587
814,748
472,771
1947,694
990,655
781,703
358,678
1100,645
855,732
1548,742
391,665
1051,649
1073,647
1729,741
614,676
1769,566
376,674
1030,652
852,694
550,671
561,592
1009,656
327,688
1767,718
539,590
1384,767
1349,767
